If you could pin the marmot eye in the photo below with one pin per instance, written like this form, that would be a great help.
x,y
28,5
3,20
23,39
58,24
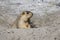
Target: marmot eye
x,y
27,13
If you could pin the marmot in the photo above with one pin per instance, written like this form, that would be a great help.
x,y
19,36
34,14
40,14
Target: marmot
x,y
23,20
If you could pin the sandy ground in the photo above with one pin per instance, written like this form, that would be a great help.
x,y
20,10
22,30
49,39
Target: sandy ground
x,y
46,17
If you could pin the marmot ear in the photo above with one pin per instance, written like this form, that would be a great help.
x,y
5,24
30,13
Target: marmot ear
x,y
22,13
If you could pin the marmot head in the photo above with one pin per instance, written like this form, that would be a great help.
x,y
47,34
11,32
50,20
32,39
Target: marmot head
x,y
27,14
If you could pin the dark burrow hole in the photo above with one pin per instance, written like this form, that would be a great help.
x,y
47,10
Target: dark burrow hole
x,y
55,38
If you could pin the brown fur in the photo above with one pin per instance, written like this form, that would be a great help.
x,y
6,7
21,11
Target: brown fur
x,y
23,20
